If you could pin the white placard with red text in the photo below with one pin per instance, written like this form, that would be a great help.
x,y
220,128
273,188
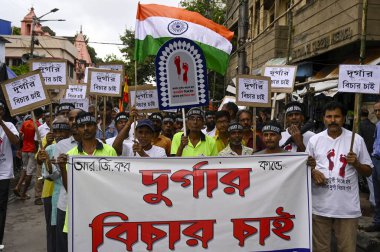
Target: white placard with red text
x,y
256,203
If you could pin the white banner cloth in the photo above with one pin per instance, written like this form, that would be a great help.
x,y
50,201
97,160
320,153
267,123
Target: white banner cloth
x,y
255,203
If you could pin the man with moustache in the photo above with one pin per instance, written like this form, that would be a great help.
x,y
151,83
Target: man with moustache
x,y
335,192
210,124
195,143
271,138
235,147
244,117
294,113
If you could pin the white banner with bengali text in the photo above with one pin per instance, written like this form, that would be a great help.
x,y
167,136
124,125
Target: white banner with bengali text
x,y
221,204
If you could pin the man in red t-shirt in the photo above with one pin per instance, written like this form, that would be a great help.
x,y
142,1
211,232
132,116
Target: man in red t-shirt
x,y
28,150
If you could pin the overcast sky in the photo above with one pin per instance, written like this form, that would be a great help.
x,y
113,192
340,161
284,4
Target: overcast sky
x,y
102,21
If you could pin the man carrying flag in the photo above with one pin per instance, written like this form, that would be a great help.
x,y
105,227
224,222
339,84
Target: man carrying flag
x,y
156,24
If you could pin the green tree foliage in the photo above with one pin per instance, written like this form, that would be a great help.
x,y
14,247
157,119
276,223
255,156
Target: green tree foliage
x,y
16,30
211,9
112,58
21,69
145,70
216,11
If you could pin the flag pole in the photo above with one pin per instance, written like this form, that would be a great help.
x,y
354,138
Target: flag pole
x,y
134,118
104,119
184,121
359,97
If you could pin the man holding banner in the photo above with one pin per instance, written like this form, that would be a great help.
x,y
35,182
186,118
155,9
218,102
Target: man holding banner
x,y
335,191
271,138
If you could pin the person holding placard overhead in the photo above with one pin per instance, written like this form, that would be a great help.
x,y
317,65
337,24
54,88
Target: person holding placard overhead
x,y
244,117
294,113
8,136
122,124
335,190
194,143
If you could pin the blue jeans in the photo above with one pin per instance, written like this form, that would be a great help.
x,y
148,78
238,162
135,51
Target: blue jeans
x,y
376,189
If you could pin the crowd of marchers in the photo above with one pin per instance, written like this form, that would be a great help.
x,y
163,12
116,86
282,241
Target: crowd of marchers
x,y
227,132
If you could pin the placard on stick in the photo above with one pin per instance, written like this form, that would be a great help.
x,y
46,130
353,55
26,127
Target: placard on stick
x,y
282,78
181,75
76,92
112,66
54,72
78,103
253,91
25,93
146,97
105,82
363,79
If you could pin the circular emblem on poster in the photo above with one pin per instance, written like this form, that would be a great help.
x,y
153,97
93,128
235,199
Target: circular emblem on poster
x,y
177,27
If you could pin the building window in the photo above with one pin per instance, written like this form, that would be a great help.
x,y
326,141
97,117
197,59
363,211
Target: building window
x,y
71,70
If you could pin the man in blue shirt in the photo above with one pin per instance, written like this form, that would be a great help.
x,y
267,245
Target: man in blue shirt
x,y
376,172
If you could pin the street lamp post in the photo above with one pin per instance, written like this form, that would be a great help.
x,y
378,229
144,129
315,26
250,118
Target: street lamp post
x,y
37,20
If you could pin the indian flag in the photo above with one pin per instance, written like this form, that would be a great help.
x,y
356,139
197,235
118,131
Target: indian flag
x,y
156,24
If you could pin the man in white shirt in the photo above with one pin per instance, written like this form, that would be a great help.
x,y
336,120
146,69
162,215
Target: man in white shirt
x,y
335,191
8,136
143,146
121,121
294,119
210,124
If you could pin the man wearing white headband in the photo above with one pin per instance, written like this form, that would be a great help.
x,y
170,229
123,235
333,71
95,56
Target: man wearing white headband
x,y
271,138
235,146
195,143
294,121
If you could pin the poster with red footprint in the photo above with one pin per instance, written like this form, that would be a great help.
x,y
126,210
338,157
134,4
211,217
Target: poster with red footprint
x,y
181,75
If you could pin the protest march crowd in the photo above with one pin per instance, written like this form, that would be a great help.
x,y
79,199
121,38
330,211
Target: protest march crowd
x,y
225,133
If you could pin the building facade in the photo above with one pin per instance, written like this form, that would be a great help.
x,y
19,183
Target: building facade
x,y
47,45
315,35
